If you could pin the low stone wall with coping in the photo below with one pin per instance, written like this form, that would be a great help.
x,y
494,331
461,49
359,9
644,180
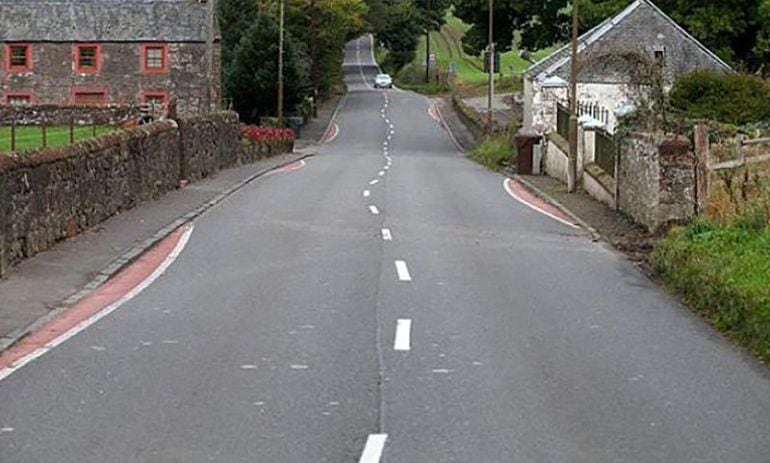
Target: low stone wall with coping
x,y
52,194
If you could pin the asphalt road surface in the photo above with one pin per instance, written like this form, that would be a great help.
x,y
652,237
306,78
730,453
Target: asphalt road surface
x,y
319,316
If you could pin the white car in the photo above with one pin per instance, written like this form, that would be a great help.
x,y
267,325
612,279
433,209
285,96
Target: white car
x,y
383,81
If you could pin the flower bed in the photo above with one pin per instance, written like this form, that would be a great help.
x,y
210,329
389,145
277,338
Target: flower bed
x,y
258,142
255,135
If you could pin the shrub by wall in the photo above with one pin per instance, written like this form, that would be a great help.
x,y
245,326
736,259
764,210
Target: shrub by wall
x,y
725,97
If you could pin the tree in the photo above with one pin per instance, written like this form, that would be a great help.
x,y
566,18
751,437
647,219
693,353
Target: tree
x,y
251,81
400,33
541,23
235,17
324,26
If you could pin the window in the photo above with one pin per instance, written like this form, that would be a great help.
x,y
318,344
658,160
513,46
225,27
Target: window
x,y
87,58
155,98
18,57
89,96
154,58
660,56
19,98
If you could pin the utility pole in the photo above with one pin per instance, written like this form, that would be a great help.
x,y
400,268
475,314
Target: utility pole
x,y
427,49
491,63
211,15
573,102
280,63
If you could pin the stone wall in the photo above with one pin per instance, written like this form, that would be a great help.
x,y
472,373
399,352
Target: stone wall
x,y
52,194
656,179
60,115
208,143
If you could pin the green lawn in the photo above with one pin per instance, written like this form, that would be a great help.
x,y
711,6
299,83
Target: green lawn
x,y
31,137
447,46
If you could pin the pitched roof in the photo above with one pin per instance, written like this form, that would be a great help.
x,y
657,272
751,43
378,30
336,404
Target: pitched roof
x,y
103,20
557,63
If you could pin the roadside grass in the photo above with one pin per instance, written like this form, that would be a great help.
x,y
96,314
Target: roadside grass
x,y
723,271
446,44
31,137
495,152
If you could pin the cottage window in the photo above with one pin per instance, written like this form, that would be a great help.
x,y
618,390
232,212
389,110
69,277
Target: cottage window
x,y
18,99
87,58
155,98
660,56
90,98
154,59
19,57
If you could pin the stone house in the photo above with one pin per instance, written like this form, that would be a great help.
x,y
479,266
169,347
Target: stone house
x,y
602,88
109,52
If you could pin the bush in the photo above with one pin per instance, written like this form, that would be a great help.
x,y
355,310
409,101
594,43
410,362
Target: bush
x,y
495,152
731,98
724,273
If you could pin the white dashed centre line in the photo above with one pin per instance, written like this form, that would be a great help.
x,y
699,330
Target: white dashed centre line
x,y
367,193
381,173
386,235
375,444
374,210
403,271
374,182
403,334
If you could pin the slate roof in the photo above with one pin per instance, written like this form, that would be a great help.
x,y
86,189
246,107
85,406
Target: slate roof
x,y
102,21
631,26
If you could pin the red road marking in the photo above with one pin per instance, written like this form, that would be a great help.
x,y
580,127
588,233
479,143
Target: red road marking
x,y
100,299
334,130
522,194
293,166
432,113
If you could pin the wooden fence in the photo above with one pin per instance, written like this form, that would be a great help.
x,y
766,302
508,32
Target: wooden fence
x,y
731,172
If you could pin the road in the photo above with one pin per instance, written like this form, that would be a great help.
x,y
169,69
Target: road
x,y
319,316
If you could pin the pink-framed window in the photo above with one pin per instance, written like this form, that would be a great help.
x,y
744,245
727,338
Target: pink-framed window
x,y
19,97
18,57
156,98
89,95
87,57
154,58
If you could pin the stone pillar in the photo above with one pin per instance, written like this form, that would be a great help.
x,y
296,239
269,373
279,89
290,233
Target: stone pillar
x,y
702,166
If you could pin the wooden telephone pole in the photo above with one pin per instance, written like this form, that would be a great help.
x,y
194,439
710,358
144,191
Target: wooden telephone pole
x,y
280,63
573,102
491,64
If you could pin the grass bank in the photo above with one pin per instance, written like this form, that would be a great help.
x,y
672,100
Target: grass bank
x,y
723,271
446,45
495,152
31,137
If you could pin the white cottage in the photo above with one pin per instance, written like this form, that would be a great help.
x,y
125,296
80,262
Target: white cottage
x,y
641,27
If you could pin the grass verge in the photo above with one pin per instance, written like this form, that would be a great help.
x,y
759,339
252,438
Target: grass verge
x,y
31,137
494,152
723,271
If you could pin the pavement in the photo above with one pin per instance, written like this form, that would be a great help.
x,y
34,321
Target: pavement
x,y
388,300
41,286
610,225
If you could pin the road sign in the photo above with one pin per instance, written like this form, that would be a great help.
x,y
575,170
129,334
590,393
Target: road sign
x,y
497,61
